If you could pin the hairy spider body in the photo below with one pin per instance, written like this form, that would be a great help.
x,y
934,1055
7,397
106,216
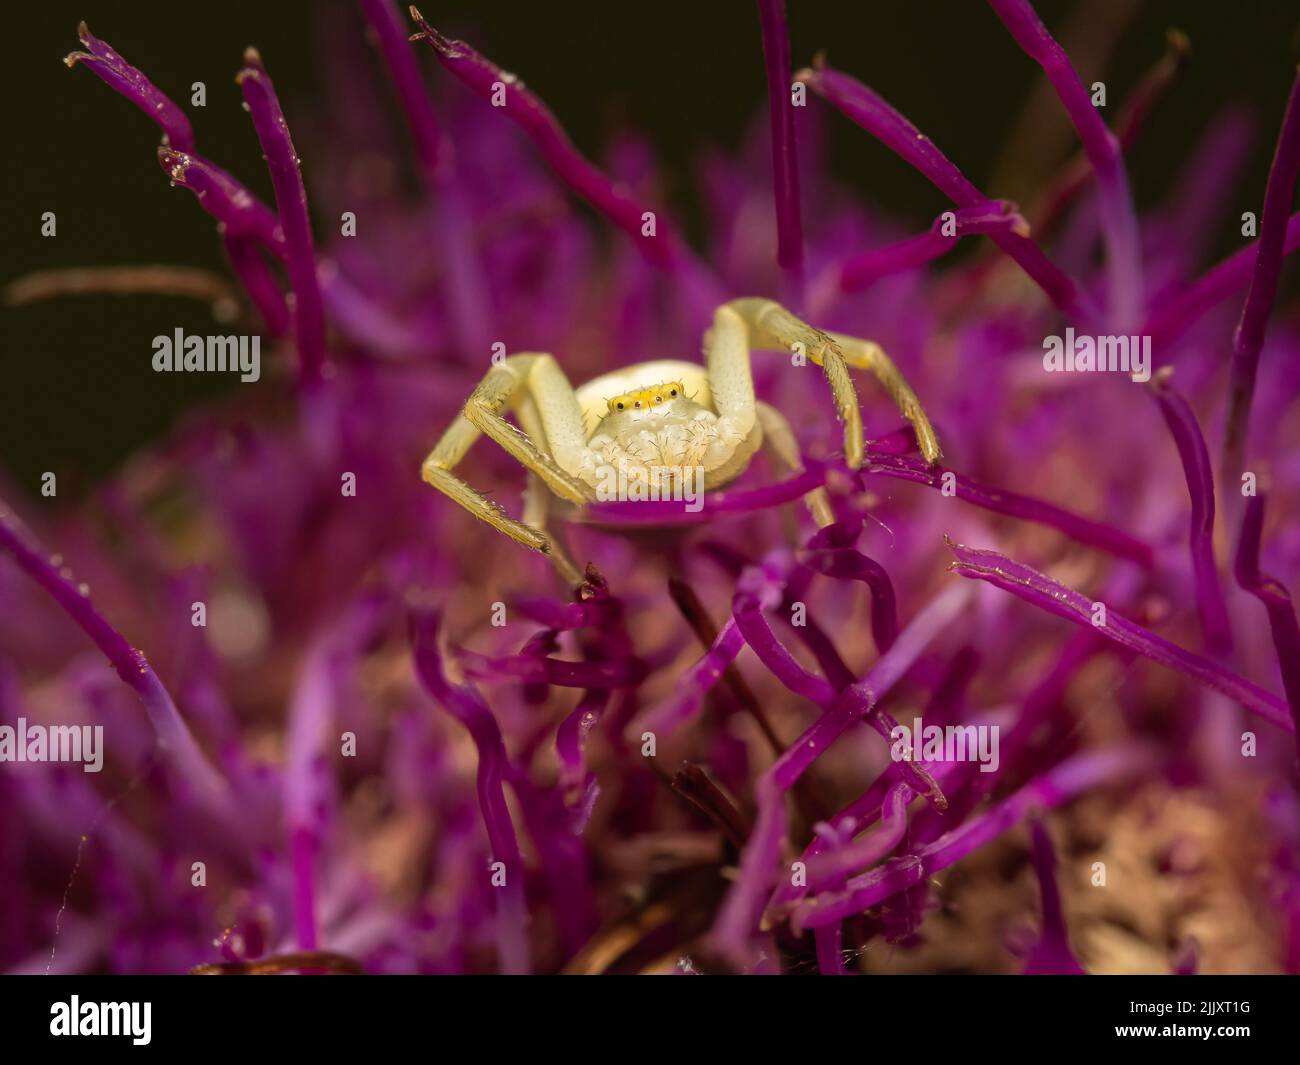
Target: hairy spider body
x,y
654,435
657,423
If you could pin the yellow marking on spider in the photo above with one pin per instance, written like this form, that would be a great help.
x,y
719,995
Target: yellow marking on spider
x,y
646,398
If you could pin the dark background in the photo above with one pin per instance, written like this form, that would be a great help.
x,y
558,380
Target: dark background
x,y
77,393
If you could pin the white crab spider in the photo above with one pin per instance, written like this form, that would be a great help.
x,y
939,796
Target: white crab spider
x,y
655,417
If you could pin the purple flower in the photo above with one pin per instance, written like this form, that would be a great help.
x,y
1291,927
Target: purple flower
x,y
348,727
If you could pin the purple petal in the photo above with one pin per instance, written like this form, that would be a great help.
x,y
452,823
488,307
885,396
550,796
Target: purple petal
x,y
1014,505
1248,340
116,72
1042,591
1276,600
785,158
291,201
1195,458
1124,255
862,106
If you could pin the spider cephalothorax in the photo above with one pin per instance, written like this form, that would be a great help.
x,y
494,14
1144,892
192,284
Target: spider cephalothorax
x,y
658,427
658,423
662,433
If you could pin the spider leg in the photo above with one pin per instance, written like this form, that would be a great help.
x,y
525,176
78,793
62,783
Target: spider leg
x,y
437,472
482,415
500,388
870,356
766,324
780,444
559,412
537,498
537,503
731,380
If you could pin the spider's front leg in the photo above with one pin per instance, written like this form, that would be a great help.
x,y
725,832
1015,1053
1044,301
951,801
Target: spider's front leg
x,y
744,324
769,325
780,444
503,386
868,355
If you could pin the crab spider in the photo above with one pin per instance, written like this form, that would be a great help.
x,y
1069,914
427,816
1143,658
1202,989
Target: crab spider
x,y
656,420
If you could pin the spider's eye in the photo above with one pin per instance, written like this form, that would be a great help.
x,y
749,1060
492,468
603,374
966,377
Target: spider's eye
x,y
673,392
620,406
637,404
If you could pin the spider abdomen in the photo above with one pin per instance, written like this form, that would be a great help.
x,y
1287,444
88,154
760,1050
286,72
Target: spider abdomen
x,y
661,444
